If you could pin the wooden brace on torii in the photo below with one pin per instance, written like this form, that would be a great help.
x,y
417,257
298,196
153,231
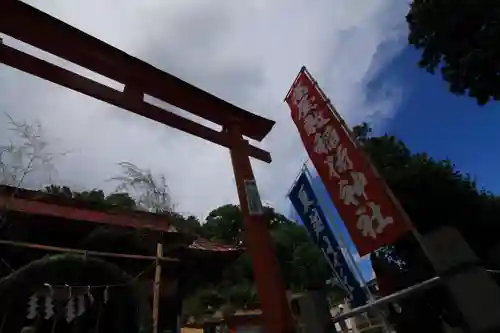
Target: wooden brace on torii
x,y
18,20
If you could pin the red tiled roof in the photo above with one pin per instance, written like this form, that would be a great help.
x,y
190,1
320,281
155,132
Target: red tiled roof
x,y
39,202
42,203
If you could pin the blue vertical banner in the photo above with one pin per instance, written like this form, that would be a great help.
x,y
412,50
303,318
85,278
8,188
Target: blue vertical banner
x,y
306,204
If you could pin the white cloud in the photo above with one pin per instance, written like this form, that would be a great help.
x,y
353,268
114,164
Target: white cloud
x,y
245,52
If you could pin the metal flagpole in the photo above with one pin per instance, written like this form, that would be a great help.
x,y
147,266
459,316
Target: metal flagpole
x,y
354,265
370,164
334,272
343,243
297,177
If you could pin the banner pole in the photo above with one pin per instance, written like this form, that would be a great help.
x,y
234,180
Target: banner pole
x,y
297,177
334,273
369,162
354,265
303,169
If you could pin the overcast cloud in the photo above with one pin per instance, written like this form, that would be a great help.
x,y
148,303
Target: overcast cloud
x,y
247,52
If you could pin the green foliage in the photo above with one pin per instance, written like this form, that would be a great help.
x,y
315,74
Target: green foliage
x,y
433,193
95,197
303,265
225,224
461,38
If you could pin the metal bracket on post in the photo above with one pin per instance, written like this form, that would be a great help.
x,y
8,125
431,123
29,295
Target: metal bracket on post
x,y
255,207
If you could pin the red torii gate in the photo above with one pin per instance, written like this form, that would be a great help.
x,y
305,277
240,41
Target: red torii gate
x,y
30,25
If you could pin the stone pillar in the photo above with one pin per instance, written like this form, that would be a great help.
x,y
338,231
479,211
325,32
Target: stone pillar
x,y
471,288
312,312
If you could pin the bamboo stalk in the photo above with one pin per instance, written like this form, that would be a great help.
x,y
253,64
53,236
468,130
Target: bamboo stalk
x,y
156,287
85,252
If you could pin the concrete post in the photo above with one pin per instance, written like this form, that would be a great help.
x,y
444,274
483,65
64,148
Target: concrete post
x,y
312,312
475,294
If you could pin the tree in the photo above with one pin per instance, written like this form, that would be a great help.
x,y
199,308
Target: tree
x,y
27,152
150,192
460,38
434,194
225,224
94,197
302,263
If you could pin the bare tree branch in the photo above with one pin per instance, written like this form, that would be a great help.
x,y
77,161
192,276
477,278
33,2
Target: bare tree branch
x,y
150,192
27,151
20,157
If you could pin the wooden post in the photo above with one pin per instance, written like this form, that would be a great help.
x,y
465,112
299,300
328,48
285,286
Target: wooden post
x,y
156,286
269,281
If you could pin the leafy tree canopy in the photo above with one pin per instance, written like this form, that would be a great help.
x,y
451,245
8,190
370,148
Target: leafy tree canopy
x,y
302,263
461,39
433,193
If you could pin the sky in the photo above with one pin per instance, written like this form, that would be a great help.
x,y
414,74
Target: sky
x,y
247,53
430,119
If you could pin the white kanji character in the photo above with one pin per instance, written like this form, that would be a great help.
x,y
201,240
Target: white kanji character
x,y
328,248
331,138
316,223
326,141
365,223
344,279
305,105
299,92
347,193
336,262
304,199
342,161
319,145
314,121
330,161
359,183
350,192
382,221
338,163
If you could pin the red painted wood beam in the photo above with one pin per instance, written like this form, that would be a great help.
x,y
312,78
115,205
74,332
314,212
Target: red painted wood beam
x,y
146,221
125,100
45,32
277,317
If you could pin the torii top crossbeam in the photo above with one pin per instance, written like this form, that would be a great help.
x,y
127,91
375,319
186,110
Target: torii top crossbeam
x,y
32,26
47,33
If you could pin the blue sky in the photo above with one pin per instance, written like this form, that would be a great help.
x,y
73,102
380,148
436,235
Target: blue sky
x,y
432,120
250,56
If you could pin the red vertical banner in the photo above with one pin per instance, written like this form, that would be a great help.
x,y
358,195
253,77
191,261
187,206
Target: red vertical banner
x,y
369,213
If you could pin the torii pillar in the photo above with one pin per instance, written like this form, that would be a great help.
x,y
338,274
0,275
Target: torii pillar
x,y
258,241
32,26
